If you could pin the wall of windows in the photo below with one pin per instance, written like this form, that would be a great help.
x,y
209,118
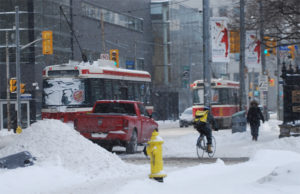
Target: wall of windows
x,y
111,17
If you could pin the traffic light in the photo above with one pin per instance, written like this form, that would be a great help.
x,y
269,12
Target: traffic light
x,y
267,52
114,56
270,46
292,51
47,37
22,86
271,82
13,85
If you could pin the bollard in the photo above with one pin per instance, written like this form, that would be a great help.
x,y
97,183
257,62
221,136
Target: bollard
x,y
154,151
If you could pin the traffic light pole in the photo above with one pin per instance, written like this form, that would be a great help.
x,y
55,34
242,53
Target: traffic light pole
x,y
206,54
18,72
8,79
242,90
263,58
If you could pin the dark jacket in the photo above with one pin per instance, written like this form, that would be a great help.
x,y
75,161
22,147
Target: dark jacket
x,y
211,120
254,116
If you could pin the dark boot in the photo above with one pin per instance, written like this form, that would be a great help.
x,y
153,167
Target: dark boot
x,y
209,150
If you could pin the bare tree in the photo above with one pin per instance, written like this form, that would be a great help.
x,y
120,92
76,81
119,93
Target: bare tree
x,y
281,19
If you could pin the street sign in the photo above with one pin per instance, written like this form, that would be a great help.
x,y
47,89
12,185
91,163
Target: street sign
x,y
263,83
104,56
284,48
129,64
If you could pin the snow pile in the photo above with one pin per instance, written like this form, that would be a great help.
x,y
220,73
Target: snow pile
x,y
52,141
167,124
269,171
283,175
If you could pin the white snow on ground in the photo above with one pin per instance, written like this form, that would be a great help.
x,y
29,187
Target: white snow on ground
x,y
230,144
68,163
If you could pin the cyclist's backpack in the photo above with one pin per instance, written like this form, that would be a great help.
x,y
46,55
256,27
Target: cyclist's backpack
x,y
200,118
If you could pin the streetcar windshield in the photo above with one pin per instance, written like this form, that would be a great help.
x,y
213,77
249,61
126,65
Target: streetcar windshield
x,y
218,96
198,96
63,92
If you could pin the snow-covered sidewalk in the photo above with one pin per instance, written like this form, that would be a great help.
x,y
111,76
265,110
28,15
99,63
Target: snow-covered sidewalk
x,y
69,163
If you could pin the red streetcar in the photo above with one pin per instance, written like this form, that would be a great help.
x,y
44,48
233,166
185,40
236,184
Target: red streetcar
x,y
73,88
224,99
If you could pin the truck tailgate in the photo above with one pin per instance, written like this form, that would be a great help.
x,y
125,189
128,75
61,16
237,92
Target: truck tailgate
x,y
99,123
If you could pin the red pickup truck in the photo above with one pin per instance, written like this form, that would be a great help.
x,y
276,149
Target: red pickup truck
x,y
117,122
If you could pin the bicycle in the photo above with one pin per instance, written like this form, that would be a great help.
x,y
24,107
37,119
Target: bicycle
x,y
201,146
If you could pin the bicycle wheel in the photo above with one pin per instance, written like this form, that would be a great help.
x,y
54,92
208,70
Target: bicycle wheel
x,y
213,147
201,146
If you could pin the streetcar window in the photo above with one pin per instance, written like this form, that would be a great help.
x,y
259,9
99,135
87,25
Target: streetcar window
x,y
224,95
123,90
62,73
198,96
108,89
116,89
130,91
137,92
97,90
148,93
215,96
142,92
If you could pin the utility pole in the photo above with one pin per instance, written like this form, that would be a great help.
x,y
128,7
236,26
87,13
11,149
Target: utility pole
x,y
18,72
7,86
261,33
102,33
252,80
278,70
165,43
72,33
263,57
206,53
242,56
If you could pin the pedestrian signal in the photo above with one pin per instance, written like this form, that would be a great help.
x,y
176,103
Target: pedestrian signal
x,y
13,85
271,82
47,37
114,56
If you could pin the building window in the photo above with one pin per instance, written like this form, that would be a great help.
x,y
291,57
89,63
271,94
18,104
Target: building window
x,y
112,17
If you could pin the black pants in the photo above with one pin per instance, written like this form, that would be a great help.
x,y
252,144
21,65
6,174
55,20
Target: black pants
x,y
254,129
207,132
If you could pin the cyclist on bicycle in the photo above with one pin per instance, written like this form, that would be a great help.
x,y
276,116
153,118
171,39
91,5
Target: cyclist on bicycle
x,y
202,122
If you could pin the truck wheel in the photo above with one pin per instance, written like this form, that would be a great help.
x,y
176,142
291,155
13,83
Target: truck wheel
x,y
131,147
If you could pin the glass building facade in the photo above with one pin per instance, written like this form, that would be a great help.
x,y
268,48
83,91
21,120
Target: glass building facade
x,y
126,28
184,56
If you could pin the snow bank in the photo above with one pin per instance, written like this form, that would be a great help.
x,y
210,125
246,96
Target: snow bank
x,y
269,171
52,141
167,124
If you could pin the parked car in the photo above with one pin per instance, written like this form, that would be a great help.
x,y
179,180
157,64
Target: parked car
x,y
186,117
117,122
